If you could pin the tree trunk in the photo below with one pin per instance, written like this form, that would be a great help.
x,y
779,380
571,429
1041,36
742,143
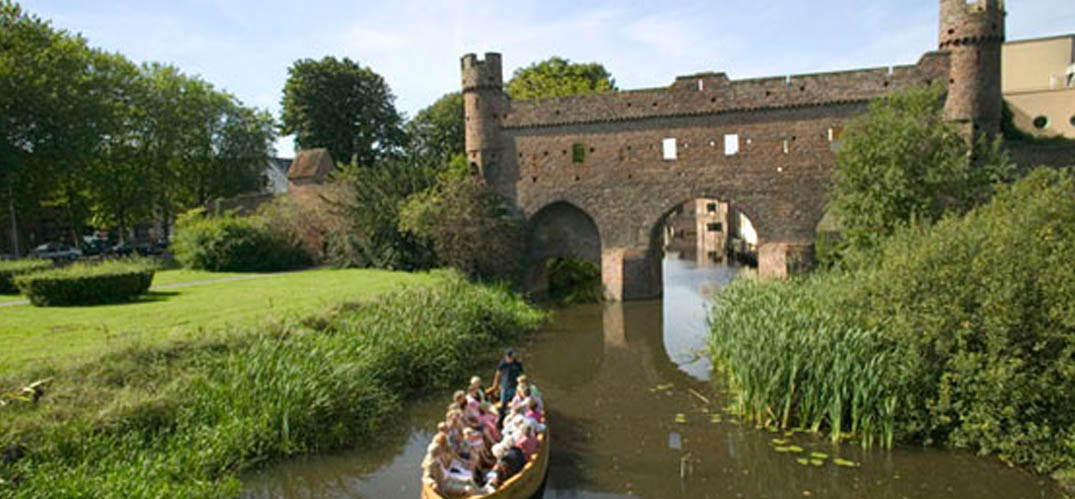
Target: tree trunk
x,y
14,224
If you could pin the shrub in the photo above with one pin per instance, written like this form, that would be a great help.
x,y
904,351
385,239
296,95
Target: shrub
x,y
470,228
574,281
978,310
87,284
11,268
237,244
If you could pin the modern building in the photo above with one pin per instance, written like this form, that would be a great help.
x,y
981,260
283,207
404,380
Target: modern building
x,y
1038,83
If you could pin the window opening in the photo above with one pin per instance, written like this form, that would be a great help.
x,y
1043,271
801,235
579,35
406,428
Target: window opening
x,y
711,208
1041,122
668,149
578,153
731,144
715,227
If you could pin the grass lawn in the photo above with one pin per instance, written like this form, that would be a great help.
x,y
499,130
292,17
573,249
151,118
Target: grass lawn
x,y
180,276
36,334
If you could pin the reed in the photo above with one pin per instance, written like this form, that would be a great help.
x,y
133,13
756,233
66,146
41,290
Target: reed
x,y
791,363
184,420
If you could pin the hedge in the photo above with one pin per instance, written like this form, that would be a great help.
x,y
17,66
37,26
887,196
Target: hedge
x,y
11,268
229,243
87,284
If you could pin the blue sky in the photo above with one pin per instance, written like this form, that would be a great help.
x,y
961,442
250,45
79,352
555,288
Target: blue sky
x,y
245,47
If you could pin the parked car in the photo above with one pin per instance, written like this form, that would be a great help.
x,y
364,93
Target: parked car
x,y
93,246
121,249
56,251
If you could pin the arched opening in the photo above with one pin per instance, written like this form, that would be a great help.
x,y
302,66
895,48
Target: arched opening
x,y
564,261
707,231
702,244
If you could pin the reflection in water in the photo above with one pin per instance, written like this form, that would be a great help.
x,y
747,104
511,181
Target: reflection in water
x,y
614,434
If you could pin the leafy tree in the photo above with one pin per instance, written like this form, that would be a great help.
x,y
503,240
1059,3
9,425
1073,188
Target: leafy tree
x,y
369,199
469,226
902,161
437,132
343,107
50,109
559,77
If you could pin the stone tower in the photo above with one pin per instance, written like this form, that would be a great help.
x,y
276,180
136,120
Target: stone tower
x,y
484,105
972,32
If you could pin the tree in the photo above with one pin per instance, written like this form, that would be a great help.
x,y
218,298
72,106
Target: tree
x,y
470,227
52,110
901,162
559,77
437,132
343,107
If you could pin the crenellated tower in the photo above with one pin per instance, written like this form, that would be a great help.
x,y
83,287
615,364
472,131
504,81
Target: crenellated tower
x,y
484,105
972,32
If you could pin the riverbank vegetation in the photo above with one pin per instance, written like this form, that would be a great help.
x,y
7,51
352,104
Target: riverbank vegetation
x,y
183,419
960,333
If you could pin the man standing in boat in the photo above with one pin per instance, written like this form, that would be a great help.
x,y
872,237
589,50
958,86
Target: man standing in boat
x,y
507,375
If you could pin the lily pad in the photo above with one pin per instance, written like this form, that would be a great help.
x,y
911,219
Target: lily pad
x,y
781,449
845,463
779,441
715,418
803,461
817,462
819,455
681,418
795,448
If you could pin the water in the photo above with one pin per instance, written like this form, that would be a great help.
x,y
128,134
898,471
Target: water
x,y
605,370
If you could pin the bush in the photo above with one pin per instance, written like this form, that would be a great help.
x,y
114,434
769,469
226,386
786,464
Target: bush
x,y
470,228
979,310
11,268
87,284
574,281
236,244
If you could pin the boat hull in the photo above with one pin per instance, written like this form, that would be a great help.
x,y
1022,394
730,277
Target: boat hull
x,y
524,485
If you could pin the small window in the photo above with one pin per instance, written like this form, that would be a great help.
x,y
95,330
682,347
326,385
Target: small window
x,y
711,208
835,133
1041,122
1072,121
731,144
668,149
701,84
578,153
787,146
715,227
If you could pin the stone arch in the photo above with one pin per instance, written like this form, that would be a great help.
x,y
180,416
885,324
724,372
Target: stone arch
x,y
559,229
655,222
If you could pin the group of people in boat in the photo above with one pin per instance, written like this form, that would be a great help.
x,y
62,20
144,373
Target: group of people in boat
x,y
479,446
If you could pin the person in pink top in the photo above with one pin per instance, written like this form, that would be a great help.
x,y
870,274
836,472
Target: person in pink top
x,y
527,440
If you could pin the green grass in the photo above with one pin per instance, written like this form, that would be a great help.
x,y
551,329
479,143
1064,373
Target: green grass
x,y
182,276
34,335
186,418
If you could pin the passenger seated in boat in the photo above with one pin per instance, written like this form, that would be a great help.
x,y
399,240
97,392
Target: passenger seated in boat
x,y
496,477
489,419
533,390
511,423
479,452
459,400
442,476
533,414
454,419
526,440
475,390
513,458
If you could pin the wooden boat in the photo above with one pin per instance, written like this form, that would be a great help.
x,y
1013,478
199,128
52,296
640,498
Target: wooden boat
x,y
524,485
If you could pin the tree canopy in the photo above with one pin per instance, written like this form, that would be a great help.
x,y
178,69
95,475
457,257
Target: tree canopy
x,y
94,137
437,132
902,162
343,107
559,77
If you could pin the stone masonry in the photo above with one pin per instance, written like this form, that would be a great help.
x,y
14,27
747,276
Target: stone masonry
x,y
594,176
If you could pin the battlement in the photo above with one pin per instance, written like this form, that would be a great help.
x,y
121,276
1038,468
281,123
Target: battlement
x,y
478,73
715,93
971,23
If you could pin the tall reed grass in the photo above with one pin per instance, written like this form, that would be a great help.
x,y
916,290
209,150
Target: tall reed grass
x,y
184,420
792,363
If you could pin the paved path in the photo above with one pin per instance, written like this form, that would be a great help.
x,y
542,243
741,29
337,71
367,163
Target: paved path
x,y
180,285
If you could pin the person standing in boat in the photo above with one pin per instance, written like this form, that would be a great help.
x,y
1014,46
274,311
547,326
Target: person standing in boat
x,y
507,376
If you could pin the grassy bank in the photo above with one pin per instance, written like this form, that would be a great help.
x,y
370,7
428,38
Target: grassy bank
x,y
960,334
182,419
33,335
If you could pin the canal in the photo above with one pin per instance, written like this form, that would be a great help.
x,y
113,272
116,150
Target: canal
x,y
633,413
